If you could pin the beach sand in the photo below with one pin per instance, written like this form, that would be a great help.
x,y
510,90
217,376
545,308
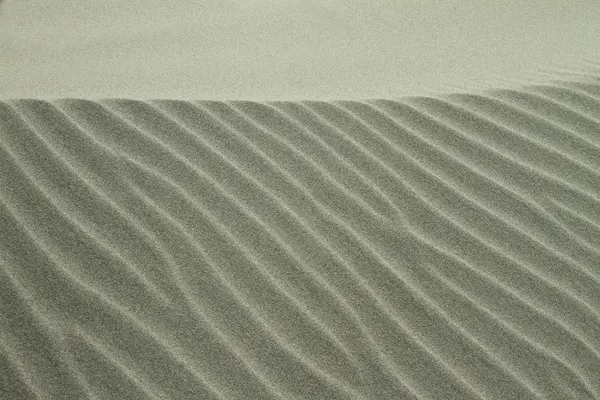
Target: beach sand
x,y
384,245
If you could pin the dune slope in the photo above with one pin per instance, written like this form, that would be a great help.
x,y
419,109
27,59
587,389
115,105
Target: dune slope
x,y
420,248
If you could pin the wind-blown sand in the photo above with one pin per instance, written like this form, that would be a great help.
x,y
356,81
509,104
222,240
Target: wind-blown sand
x,y
286,49
439,241
423,248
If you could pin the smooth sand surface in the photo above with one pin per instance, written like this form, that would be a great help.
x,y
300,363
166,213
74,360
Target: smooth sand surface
x,y
424,248
285,49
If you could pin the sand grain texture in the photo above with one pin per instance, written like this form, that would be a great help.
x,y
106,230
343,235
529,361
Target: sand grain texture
x,y
422,248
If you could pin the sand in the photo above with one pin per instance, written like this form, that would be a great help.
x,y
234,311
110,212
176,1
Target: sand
x,y
427,248
344,229
287,49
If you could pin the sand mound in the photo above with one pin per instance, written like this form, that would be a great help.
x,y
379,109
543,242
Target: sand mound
x,y
421,248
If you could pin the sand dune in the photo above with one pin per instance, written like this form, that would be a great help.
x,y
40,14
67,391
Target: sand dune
x,y
285,49
420,248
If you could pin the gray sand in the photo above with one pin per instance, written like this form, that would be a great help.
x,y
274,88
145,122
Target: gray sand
x,y
429,248
405,247
286,49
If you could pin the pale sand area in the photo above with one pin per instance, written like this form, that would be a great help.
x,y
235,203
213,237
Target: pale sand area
x,y
404,247
285,49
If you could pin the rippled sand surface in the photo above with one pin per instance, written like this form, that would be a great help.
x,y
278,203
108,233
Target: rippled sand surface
x,y
427,248
373,209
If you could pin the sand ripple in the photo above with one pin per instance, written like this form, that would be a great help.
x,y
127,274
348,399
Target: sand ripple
x,y
422,248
